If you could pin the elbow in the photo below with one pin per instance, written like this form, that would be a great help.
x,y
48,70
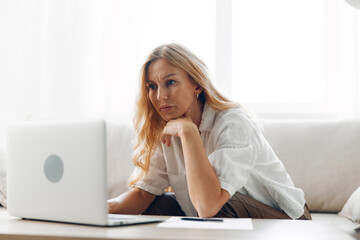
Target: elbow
x,y
205,211
209,207
206,214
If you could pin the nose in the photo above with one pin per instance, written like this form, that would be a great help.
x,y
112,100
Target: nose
x,y
162,93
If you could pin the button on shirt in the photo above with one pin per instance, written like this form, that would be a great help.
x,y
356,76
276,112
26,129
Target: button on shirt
x,y
241,157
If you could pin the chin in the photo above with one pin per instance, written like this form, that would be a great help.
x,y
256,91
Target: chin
x,y
168,117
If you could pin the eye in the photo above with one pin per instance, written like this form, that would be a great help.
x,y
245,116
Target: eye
x,y
152,86
170,82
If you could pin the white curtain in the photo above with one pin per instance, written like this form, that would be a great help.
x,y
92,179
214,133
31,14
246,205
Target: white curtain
x,y
82,58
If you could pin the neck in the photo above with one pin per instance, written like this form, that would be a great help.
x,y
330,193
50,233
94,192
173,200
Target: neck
x,y
196,113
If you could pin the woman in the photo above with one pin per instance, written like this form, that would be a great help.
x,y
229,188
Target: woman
x,y
207,148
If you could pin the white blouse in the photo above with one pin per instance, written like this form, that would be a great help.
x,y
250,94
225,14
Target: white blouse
x,y
241,157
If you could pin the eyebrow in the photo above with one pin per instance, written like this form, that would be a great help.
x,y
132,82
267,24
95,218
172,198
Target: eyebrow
x,y
169,75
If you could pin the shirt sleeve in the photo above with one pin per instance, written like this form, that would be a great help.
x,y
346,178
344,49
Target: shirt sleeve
x,y
235,152
156,180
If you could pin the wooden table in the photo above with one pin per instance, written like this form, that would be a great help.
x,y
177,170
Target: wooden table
x,y
14,228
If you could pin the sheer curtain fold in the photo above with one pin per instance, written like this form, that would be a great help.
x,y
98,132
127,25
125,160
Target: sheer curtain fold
x,y
69,59
82,58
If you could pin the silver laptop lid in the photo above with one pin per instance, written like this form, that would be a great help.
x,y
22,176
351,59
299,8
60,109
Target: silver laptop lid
x,y
57,171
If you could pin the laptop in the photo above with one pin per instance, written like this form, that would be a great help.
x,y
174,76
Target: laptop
x,y
57,172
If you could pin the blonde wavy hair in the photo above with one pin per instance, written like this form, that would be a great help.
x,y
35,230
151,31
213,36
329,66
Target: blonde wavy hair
x,y
148,123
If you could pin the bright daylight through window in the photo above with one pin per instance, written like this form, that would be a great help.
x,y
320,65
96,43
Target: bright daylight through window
x,y
278,51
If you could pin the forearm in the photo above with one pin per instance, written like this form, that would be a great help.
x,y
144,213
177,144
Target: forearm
x,y
135,201
204,187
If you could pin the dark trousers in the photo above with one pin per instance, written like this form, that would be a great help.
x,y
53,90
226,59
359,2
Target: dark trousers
x,y
238,206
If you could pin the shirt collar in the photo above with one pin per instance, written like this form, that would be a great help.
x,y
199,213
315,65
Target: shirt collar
x,y
207,118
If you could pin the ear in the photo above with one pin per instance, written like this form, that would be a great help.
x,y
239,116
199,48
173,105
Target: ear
x,y
198,89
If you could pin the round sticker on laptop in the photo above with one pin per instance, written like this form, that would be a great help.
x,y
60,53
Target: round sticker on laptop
x,y
54,168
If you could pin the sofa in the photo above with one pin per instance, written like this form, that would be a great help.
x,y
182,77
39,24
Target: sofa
x,y
322,158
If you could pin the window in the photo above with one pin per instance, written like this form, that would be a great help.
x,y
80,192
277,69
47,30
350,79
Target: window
x,y
276,45
291,59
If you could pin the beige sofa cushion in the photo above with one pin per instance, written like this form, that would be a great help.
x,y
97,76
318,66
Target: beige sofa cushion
x,y
120,137
351,209
322,158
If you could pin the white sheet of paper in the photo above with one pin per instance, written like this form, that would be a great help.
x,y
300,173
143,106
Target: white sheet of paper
x,y
228,223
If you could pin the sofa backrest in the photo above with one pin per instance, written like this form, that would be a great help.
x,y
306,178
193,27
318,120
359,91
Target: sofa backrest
x,y
119,137
322,158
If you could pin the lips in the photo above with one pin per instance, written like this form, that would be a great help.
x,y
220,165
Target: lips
x,y
165,108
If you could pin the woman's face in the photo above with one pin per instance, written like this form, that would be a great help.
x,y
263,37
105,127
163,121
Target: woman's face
x,y
170,90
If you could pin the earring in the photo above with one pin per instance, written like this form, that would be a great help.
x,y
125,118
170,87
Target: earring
x,y
197,96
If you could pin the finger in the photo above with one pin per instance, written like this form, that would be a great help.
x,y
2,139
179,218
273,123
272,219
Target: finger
x,y
168,140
